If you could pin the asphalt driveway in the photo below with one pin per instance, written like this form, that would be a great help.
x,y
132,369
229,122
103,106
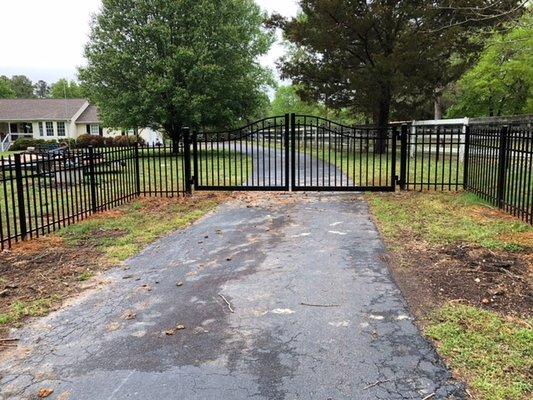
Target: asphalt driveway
x,y
274,296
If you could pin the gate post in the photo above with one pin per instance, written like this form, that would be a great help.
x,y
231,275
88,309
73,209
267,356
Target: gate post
x,y
502,166
403,157
293,152
187,159
20,197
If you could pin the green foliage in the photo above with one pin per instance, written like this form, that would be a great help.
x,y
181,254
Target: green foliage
x,y
382,57
287,100
64,89
168,64
448,218
42,89
22,86
493,354
23,144
501,83
6,91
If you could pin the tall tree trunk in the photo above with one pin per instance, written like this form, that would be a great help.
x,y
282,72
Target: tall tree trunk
x,y
175,134
439,107
382,123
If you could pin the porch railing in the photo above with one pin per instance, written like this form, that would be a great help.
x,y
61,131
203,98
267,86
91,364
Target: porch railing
x,y
6,143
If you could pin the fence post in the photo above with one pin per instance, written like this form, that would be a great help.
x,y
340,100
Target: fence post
x,y
187,155
137,170
195,159
92,180
20,197
502,166
403,157
466,157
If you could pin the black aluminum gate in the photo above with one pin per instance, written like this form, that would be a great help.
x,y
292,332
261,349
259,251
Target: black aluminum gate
x,y
255,157
304,153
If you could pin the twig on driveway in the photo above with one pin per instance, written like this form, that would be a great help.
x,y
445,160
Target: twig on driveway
x,y
429,396
320,305
376,383
9,340
228,303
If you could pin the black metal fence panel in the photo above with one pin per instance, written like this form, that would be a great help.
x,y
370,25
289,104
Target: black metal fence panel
x,y
43,192
435,157
255,157
500,167
162,171
327,156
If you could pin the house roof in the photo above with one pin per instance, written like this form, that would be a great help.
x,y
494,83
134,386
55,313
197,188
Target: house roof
x,y
89,116
39,109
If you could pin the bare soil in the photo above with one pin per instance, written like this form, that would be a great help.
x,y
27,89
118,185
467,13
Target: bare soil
x,y
431,276
44,269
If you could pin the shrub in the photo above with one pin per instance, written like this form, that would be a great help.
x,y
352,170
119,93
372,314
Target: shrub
x,y
128,141
23,144
87,140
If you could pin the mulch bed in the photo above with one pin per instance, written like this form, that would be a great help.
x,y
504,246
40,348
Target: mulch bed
x,y
430,276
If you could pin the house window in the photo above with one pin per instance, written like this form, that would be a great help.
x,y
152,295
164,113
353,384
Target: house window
x,y
49,129
41,129
60,129
95,130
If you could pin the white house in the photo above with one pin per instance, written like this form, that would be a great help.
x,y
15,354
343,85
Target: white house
x,y
56,119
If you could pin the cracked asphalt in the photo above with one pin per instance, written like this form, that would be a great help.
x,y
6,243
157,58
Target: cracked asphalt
x,y
316,316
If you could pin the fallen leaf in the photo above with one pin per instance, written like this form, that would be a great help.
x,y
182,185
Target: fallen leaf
x,y
45,393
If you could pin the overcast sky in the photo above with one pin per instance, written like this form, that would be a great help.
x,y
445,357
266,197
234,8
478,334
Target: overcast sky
x,y
44,39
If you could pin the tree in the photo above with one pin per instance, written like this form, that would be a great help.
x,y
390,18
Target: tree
x,y
287,100
22,86
65,89
42,89
387,57
169,64
501,83
6,92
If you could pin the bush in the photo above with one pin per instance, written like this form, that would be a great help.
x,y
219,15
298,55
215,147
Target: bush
x,y
87,140
123,141
23,144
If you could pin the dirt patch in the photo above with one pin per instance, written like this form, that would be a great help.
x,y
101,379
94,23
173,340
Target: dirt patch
x,y
44,270
431,276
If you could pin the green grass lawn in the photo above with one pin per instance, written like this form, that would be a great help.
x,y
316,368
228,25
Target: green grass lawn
x,y
448,218
494,354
